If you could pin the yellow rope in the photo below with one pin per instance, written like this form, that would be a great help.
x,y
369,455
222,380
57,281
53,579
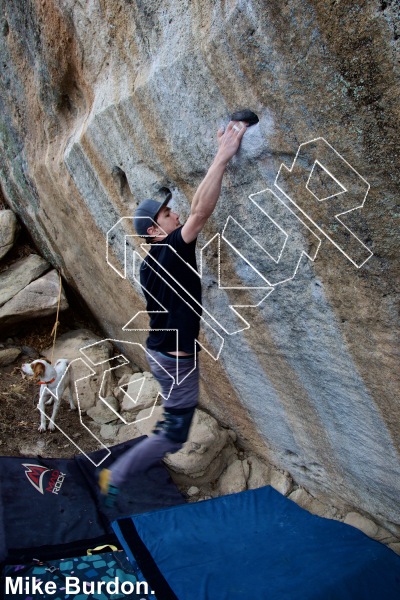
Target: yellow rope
x,y
56,324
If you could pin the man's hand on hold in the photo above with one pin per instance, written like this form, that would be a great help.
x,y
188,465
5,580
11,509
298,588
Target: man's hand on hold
x,y
229,140
207,194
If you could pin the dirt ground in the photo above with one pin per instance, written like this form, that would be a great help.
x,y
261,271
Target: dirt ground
x,y
19,435
19,417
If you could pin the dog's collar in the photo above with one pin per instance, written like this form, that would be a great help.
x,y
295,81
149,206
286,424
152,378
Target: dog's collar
x,y
46,382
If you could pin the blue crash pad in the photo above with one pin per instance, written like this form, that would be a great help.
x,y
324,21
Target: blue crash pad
x,y
256,544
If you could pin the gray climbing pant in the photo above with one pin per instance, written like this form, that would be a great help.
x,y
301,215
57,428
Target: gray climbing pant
x,y
179,381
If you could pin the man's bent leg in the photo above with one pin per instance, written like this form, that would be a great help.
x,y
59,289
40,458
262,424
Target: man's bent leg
x,y
176,423
164,370
172,431
141,457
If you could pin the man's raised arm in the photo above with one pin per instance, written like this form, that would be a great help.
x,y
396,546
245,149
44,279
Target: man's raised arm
x,y
207,194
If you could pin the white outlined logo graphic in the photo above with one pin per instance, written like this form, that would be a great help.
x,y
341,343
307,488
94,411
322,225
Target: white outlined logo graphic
x,y
315,156
132,392
277,225
55,395
320,184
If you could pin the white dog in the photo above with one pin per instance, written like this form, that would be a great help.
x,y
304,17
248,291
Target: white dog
x,y
53,381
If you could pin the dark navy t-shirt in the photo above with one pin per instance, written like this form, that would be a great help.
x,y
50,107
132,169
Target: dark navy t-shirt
x,y
170,281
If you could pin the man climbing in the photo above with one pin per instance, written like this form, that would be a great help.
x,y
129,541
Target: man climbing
x,y
171,341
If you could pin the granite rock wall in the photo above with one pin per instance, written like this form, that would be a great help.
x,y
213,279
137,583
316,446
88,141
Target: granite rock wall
x,y
105,102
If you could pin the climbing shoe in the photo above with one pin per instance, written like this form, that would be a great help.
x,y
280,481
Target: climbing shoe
x,y
107,489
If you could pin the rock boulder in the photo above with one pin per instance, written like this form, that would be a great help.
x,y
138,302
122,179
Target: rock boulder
x,y
91,376
8,231
103,106
19,275
38,299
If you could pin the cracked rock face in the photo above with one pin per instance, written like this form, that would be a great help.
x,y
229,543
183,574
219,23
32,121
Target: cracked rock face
x,y
8,231
103,104
20,274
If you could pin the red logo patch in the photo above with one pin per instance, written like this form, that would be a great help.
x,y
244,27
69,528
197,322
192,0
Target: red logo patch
x,y
35,474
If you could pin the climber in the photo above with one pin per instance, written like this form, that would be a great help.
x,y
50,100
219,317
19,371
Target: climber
x,y
168,350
